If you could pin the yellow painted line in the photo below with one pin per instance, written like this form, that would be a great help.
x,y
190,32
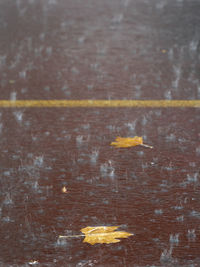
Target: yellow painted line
x,y
100,103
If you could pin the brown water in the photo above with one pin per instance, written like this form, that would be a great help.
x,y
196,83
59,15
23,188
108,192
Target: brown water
x,y
99,50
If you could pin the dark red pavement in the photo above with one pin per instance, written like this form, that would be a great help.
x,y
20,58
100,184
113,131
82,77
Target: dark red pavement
x,y
99,50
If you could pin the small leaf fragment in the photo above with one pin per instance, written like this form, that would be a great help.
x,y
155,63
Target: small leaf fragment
x,y
129,142
33,262
11,81
64,190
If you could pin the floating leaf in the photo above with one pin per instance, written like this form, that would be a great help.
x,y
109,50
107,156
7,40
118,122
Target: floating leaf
x,y
101,234
129,142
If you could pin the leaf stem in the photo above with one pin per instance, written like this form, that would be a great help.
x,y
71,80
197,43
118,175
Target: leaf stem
x,y
70,236
146,145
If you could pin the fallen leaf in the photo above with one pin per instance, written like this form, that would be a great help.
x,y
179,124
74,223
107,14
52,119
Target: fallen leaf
x,y
129,142
101,234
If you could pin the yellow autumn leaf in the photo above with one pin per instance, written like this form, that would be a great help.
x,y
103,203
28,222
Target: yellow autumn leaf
x,y
101,234
129,142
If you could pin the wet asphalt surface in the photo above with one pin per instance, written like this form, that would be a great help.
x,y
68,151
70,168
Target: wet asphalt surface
x,y
131,49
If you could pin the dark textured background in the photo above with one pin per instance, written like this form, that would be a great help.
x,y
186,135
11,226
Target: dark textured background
x,y
73,49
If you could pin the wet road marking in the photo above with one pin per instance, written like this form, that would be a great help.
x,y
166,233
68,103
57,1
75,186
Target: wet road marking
x,y
100,103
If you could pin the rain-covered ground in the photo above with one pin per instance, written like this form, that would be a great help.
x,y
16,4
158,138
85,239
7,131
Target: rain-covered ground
x,y
73,49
